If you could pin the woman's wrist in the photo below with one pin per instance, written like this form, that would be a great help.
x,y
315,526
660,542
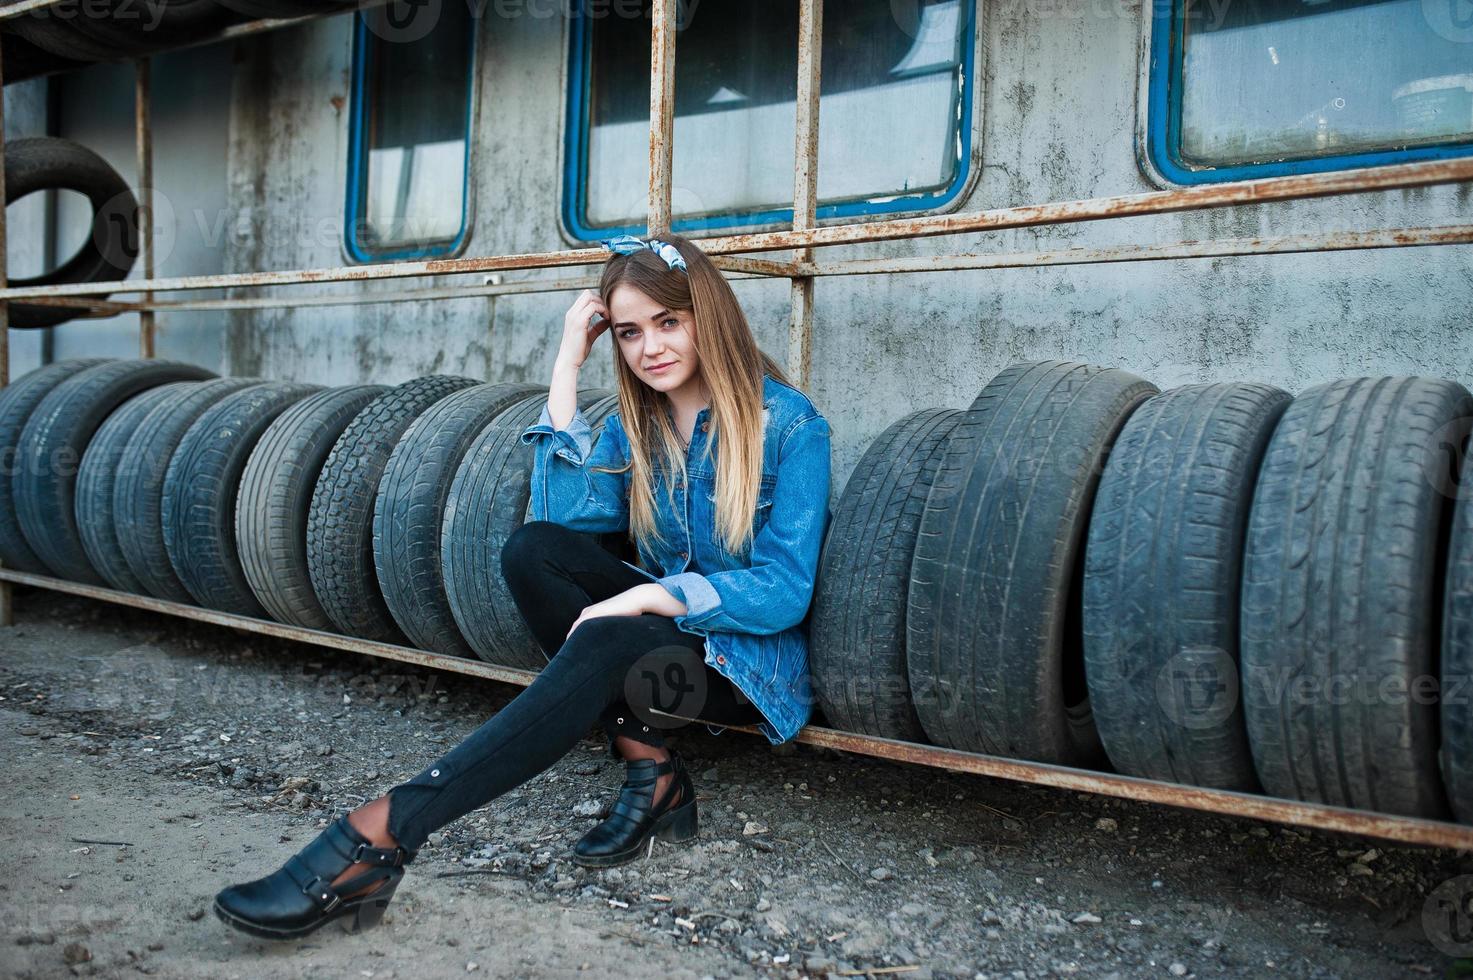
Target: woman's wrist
x,y
655,598
562,394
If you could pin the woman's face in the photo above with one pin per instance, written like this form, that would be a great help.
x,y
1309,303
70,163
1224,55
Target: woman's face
x,y
648,336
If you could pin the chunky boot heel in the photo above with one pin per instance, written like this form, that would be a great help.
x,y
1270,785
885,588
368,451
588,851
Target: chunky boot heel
x,y
299,897
371,912
679,824
636,817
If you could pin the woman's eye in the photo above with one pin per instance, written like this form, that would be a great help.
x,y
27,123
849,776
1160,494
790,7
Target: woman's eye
x,y
627,334
670,320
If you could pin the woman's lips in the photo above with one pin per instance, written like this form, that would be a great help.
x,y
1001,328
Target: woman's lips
x,y
660,367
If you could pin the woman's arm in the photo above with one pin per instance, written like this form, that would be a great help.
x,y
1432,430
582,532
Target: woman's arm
x,y
565,488
774,593
648,598
562,395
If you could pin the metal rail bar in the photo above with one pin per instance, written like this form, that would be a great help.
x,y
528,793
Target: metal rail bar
x,y
805,185
1217,248
1405,830
1337,241
662,113
143,134
7,610
741,270
1259,191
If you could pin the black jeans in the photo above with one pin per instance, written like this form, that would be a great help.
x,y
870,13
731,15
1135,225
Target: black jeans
x,y
613,669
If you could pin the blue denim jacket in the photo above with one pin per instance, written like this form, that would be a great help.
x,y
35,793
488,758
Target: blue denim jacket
x,y
752,608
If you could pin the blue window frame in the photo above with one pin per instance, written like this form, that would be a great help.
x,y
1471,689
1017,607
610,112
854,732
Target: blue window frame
x,y
1265,88
896,113
408,193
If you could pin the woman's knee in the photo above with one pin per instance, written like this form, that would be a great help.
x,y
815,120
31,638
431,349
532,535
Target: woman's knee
x,y
531,542
640,663
606,635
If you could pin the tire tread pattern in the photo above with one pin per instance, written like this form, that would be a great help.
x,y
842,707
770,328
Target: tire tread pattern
x,y
410,505
17,401
276,495
340,520
1162,581
51,448
200,490
990,616
96,481
1341,589
488,501
857,634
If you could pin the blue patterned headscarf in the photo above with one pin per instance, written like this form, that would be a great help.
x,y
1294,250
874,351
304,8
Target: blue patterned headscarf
x,y
629,244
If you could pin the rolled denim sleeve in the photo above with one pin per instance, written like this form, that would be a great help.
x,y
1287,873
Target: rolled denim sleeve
x,y
774,592
565,488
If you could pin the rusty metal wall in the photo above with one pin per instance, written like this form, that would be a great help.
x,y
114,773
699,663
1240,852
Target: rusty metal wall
x,y
1058,122
1059,108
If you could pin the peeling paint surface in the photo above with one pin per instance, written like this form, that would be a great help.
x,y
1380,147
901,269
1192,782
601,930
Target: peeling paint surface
x,y
1059,110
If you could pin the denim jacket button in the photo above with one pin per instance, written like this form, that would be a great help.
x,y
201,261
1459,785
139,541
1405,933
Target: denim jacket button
x,y
682,554
720,659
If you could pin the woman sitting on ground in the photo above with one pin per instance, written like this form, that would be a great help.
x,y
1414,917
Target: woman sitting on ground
x,y
719,469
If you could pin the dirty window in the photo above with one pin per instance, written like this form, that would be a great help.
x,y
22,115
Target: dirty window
x,y
412,84
894,93
1264,81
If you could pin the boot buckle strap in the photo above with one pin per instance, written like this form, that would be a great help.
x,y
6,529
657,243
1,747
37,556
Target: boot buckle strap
x,y
322,892
378,855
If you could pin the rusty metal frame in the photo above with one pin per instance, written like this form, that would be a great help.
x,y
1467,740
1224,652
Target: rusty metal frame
x,y
1259,191
732,254
143,128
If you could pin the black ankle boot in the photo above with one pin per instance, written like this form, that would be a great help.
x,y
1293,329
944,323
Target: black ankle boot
x,y
636,815
299,897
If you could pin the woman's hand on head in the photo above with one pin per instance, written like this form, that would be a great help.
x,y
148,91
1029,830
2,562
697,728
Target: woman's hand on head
x,y
579,332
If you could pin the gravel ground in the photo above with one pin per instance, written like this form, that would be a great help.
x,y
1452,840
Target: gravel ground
x,y
152,761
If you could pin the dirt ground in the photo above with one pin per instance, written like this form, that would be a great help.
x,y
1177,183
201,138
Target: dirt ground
x,y
150,761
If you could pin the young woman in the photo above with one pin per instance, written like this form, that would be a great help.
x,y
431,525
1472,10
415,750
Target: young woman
x,y
719,469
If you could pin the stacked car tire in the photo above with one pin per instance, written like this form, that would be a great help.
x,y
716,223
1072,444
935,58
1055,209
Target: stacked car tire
x,y
326,508
1218,585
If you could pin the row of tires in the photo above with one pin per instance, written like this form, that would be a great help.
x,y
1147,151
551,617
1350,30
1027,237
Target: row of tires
x,y
377,512
1220,585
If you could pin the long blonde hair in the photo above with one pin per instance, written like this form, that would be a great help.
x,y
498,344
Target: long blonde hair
x,y
732,366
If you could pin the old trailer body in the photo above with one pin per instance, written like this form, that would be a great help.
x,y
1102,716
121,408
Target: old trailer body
x,y
1056,227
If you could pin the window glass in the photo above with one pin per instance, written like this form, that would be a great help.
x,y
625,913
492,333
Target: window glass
x,y
894,77
411,105
1274,80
